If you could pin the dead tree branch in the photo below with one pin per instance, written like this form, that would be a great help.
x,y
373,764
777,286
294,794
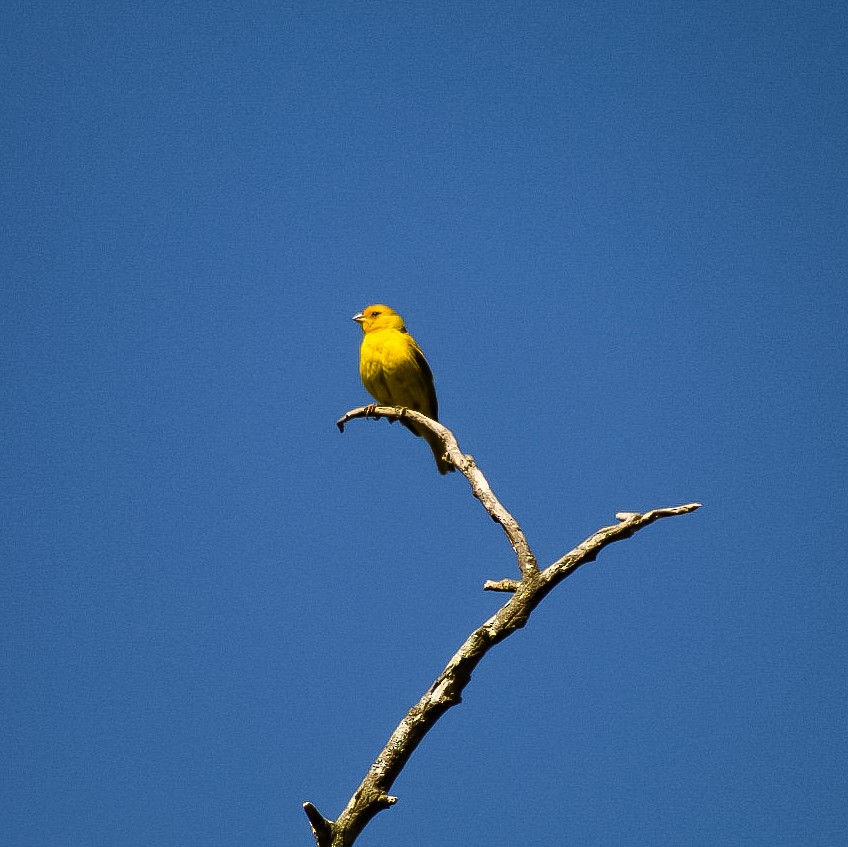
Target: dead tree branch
x,y
479,484
372,796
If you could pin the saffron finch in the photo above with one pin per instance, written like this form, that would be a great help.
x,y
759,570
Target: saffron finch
x,y
395,372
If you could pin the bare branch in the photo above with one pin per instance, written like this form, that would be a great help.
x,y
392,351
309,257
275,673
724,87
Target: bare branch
x,y
630,522
372,796
479,484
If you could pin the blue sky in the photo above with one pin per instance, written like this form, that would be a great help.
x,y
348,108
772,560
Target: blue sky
x,y
617,230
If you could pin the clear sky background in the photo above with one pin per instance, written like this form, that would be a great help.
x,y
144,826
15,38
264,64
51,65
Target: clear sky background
x,y
620,233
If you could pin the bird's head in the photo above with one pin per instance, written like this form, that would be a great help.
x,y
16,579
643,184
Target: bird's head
x,y
378,316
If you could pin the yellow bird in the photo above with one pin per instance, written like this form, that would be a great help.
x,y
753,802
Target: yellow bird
x,y
395,372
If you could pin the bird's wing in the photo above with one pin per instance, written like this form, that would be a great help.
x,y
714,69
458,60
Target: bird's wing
x,y
428,383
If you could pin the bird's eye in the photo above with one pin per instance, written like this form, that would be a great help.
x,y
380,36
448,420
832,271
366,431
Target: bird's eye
x,y
374,314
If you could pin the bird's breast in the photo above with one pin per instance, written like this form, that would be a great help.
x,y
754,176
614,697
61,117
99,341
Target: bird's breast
x,y
386,366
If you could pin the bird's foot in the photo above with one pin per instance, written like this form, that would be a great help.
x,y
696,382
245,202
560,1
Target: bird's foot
x,y
369,411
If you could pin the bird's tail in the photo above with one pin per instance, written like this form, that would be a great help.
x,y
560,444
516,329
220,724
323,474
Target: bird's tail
x,y
438,449
436,446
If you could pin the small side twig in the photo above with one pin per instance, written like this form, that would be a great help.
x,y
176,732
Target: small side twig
x,y
322,829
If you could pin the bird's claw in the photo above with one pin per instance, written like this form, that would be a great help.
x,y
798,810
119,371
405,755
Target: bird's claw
x,y
400,411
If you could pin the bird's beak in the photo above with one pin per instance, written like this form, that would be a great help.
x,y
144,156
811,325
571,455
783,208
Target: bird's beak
x,y
359,318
